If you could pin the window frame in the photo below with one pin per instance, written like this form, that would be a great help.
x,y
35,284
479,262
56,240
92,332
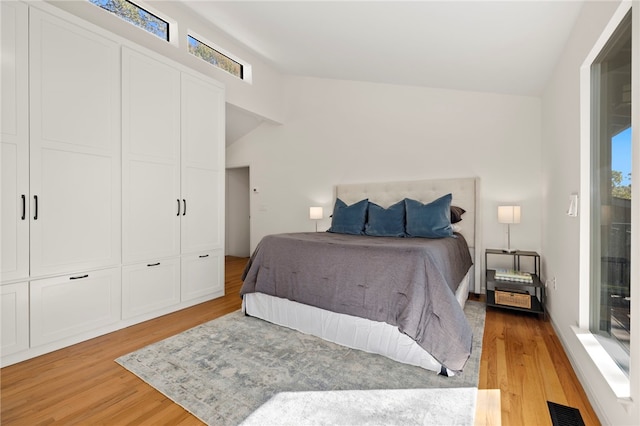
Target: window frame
x,y
619,383
246,73
601,175
172,24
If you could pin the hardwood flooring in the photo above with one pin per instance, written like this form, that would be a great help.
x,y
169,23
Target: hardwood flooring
x,y
523,358
522,364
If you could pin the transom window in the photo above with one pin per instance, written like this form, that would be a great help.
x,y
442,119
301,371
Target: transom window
x,y
136,15
215,58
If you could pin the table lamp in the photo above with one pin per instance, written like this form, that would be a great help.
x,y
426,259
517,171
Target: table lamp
x,y
315,213
509,215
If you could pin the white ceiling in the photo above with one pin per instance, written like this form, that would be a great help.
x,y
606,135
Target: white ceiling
x,y
508,47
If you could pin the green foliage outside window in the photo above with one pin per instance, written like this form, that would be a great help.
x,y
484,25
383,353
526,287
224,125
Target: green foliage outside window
x,y
136,15
619,190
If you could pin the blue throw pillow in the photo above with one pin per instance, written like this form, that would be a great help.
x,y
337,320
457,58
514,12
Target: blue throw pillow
x,y
431,220
349,219
387,222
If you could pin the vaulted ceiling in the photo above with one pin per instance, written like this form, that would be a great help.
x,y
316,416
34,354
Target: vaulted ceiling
x,y
508,47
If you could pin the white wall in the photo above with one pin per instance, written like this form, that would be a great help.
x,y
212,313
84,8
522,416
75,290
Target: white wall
x,y
561,234
346,132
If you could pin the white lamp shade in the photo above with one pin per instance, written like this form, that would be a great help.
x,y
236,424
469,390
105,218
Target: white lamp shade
x,y
509,214
315,213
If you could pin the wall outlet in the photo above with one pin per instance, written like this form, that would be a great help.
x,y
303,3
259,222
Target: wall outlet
x,y
551,282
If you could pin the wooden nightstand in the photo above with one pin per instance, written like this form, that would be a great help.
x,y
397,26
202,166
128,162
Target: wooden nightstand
x,y
520,296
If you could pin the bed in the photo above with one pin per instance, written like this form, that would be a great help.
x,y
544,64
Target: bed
x,y
371,292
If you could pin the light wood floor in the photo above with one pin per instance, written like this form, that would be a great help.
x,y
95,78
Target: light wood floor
x,y
522,362
522,357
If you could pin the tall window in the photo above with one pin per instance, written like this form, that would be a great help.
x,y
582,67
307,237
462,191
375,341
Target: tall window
x,y
610,318
136,15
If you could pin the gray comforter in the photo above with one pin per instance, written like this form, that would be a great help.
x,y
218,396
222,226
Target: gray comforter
x,y
405,282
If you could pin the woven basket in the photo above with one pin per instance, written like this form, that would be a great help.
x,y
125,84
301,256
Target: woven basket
x,y
520,300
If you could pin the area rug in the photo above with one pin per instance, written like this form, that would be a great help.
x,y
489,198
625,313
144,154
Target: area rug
x,y
224,370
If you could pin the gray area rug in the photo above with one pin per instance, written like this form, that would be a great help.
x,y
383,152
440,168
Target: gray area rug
x,y
223,370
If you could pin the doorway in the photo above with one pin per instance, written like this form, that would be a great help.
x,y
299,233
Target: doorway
x,y
237,212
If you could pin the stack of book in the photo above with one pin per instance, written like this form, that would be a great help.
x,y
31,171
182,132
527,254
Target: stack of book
x,y
513,275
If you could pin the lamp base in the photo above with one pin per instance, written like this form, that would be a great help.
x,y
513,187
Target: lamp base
x,y
509,250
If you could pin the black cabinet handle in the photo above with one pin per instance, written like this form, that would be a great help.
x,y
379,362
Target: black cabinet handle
x,y
178,200
184,211
79,277
35,213
153,264
203,255
24,207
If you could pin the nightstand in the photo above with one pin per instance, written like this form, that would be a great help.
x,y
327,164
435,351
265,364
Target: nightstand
x,y
520,296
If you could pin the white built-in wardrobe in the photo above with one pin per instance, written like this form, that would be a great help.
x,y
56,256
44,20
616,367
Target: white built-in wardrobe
x,y
112,169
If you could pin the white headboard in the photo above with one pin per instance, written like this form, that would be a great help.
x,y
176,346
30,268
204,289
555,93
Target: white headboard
x,y
465,193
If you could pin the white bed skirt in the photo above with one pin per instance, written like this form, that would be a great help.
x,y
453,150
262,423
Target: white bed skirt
x,y
347,330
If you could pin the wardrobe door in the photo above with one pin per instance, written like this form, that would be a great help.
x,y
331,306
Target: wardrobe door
x,y
152,204
203,121
74,306
149,287
14,138
202,275
75,147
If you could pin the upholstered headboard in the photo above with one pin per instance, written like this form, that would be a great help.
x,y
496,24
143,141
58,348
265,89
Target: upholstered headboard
x,y
464,191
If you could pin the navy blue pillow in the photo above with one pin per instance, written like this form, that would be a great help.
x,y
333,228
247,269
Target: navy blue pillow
x,y
349,219
387,222
431,220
